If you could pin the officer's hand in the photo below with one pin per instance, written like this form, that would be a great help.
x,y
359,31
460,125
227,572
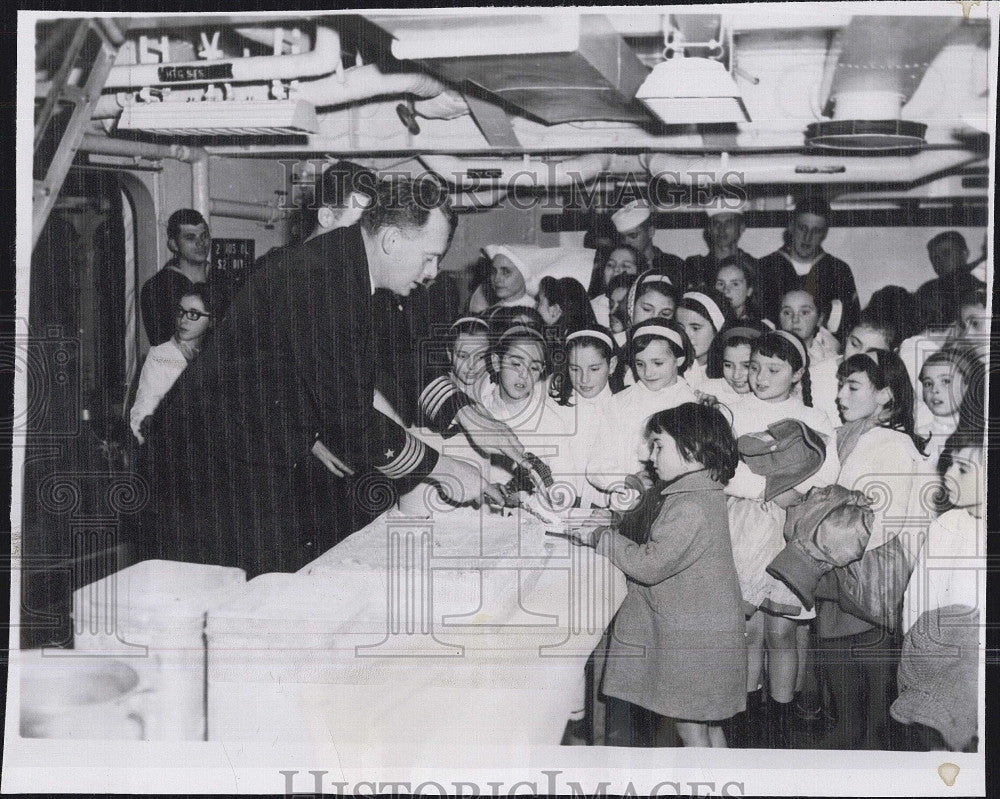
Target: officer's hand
x,y
331,461
491,436
463,483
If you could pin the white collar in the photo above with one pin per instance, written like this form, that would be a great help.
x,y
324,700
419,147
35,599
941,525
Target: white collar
x,y
601,396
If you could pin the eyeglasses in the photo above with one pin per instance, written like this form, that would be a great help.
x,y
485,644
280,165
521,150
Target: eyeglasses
x,y
191,314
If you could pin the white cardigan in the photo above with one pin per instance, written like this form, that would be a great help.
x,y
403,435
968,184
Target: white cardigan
x,y
950,569
164,364
586,418
620,448
886,466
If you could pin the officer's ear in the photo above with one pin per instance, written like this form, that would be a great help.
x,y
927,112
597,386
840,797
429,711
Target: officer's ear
x,y
391,238
172,246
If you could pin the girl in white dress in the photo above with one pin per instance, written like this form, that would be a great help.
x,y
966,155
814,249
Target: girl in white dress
x,y
582,390
658,352
623,260
779,364
944,378
728,368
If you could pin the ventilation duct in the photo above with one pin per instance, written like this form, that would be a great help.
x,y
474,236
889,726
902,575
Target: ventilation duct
x,y
880,66
596,81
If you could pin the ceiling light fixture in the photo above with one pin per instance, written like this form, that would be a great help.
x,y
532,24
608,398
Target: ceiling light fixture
x,y
222,118
685,91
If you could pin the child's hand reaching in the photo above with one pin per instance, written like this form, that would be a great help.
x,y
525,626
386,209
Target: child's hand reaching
x,y
588,532
627,494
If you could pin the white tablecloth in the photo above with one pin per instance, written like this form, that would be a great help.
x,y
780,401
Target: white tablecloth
x,y
467,628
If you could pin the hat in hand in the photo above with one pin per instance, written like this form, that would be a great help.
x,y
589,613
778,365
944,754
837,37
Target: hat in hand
x,y
786,454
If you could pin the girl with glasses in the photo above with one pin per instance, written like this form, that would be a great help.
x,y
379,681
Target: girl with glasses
x,y
165,362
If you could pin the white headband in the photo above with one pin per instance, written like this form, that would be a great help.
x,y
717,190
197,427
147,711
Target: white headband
x,y
798,344
654,328
744,332
589,333
470,319
657,279
523,330
714,312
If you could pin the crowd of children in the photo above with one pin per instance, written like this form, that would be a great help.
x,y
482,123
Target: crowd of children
x,y
799,513
643,400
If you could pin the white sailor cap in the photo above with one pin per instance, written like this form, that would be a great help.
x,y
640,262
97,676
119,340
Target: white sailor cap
x,y
630,216
723,205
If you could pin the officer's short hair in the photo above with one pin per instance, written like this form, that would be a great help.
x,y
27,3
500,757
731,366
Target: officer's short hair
x,y
407,203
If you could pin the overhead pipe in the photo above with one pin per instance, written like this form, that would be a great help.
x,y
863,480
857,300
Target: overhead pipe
x,y
199,187
141,149
513,174
196,156
321,60
355,84
737,170
364,83
257,212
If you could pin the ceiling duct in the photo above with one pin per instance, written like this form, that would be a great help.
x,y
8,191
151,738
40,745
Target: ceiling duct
x,y
880,66
597,80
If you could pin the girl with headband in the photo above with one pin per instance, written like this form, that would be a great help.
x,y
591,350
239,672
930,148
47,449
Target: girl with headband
x,y
652,296
450,403
518,397
658,352
803,315
778,363
702,314
728,367
583,391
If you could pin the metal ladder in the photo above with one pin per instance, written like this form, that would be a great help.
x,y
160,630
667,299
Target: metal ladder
x,y
61,119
